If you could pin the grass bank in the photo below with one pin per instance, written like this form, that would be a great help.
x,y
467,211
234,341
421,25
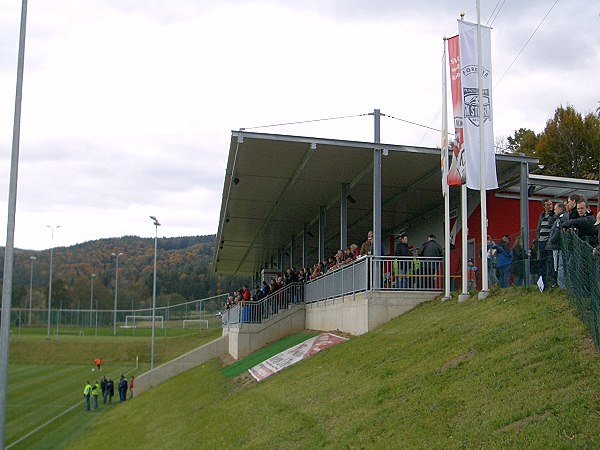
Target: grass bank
x,y
516,370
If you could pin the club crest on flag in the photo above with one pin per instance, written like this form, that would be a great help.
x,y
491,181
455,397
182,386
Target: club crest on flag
x,y
471,105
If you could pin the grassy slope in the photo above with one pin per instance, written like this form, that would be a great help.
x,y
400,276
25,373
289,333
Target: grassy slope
x,y
516,370
47,377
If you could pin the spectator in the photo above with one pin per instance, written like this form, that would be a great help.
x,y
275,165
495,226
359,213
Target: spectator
x,y
401,267
517,266
543,232
492,259
246,296
534,261
265,289
583,225
504,260
554,243
472,275
131,388
110,389
597,225
430,249
571,206
104,388
122,389
365,248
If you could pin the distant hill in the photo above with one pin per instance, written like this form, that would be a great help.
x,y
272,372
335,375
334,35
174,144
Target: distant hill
x,y
184,272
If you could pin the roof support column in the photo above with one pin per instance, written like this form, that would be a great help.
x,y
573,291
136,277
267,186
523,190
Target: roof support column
x,y
292,245
524,206
280,259
344,216
322,219
376,247
305,246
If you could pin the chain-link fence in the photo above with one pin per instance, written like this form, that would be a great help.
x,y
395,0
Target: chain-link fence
x,y
189,315
578,270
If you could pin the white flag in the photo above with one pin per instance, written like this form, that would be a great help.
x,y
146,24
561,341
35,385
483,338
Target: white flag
x,y
467,33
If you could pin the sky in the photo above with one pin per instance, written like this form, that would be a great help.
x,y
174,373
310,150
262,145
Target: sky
x,y
128,105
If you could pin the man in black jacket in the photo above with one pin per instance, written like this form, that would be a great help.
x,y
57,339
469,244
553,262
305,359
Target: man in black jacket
x,y
403,265
430,249
584,224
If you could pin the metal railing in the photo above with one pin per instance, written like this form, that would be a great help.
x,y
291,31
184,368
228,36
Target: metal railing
x,y
346,280
378,273
261,310
407,273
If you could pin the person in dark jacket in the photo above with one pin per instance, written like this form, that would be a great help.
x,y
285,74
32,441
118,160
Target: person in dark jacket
x,y
517,266
401,266
429,269
571,206
554,243
584,224
122,389
110,389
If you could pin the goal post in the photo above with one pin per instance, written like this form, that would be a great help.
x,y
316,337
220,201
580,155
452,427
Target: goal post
x,y
145,321
201,324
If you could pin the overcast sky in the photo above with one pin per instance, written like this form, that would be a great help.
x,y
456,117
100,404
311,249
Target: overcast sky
x,y
128,104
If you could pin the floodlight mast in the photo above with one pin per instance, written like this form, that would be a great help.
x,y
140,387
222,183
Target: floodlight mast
x,y
156,225
116,291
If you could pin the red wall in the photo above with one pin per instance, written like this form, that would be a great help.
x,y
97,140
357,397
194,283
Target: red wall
x,y
503,218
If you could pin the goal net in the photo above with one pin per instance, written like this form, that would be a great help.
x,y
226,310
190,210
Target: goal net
x,y
201,324
143,321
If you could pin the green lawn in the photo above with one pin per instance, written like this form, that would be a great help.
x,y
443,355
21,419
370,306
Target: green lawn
x,y
514,371
46,378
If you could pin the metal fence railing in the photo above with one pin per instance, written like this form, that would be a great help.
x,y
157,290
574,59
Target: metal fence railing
x,y
87,322
346,280
578,267
407,273
261,310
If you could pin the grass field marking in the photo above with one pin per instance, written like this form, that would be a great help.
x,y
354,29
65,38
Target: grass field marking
x,y
45,424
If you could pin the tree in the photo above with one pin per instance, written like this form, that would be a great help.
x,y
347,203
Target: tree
x,y
570,144
524,141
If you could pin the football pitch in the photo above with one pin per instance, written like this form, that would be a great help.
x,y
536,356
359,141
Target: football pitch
x,y
45,405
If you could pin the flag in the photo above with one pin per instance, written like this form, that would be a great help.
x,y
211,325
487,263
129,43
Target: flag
x,y
467,33
456,173
444,148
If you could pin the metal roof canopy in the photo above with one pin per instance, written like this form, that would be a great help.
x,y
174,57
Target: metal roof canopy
x,y
556,188
276,184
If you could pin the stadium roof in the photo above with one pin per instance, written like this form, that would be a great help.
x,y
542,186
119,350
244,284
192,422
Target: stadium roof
x,y
276,184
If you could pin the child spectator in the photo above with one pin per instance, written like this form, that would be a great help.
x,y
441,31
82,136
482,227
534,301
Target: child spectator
x,y
472,275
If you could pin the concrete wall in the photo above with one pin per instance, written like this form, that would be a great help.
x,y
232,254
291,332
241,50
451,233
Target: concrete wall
x,y
245,338
181,364
360,313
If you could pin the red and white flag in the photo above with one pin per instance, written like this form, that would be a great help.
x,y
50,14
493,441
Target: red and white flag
x,y
456,173
469,79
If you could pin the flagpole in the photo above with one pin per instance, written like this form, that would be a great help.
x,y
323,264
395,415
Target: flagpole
x,y
482,180
445,187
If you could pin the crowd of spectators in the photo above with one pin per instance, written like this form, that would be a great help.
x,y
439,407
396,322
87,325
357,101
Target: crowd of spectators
x,y
405,271
546,252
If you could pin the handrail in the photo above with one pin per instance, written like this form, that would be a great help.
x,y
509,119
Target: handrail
x,y
265,308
